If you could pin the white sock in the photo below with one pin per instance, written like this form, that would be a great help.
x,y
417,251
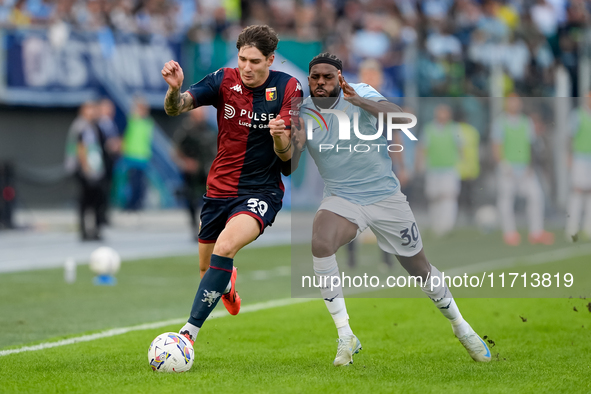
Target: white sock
x,y
333,299
574,213
193,330
345,331
443,300
229,287
587,222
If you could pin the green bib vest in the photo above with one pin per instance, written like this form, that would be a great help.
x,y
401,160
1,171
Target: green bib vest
x,y
582,139
137,142
516,142
442,147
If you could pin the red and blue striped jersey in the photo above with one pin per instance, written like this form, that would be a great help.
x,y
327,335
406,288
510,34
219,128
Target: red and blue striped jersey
x,y
246,162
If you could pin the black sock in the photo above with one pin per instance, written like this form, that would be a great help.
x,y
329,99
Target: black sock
x,y
211,288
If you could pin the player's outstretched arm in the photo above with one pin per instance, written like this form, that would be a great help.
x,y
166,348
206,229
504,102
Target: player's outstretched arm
x,y
175,102
373,107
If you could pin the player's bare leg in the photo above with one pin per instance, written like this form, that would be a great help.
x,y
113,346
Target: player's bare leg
x,y
329,232
439,293
205,251
239,232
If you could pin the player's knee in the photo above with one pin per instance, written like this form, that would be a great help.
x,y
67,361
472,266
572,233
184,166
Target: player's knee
x,y
322,246
202,271
225,249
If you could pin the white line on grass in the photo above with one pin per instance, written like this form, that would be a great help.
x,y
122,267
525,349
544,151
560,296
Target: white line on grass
x,y
534,259
149,326
528,260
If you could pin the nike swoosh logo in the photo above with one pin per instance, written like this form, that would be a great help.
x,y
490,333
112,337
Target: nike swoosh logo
x,y
486,347
446,307
331,299
415,245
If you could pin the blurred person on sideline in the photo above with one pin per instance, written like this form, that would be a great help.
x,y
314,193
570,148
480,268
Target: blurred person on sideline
x,y
439,152
136,152
580,170
84,158
469,164
110,144
513,135
371,73
194,151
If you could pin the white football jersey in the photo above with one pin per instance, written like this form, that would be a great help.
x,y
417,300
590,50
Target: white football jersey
x,y
362,177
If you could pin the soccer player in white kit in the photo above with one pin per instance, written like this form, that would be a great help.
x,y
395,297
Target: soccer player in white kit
x,y
440,149
362,191
580,173
513,134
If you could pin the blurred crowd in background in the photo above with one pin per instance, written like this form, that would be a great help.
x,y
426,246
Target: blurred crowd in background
x,y
464,49
112,165
454,42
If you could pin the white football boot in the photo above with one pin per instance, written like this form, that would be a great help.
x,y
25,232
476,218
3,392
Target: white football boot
x,y
475,346
347,347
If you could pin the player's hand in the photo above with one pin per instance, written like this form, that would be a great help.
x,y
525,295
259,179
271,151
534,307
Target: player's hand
x,y
298,134
348,92
190,165
173,74
277,128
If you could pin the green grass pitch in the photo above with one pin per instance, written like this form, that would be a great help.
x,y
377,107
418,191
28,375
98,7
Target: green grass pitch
x,y
540,344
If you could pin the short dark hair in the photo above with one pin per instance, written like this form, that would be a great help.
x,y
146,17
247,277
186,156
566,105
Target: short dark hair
x,y
326,58
262,37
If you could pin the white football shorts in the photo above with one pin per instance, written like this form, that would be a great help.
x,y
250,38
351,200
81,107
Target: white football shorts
x,y
442,183
391,220
581,173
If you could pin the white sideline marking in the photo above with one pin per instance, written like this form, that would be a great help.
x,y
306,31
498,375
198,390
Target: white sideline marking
x,y
522,261
528,260
148,326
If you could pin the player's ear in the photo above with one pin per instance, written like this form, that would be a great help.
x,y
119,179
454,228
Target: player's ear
x,y
270,59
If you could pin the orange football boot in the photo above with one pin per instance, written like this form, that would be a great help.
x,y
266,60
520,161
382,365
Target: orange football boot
x,y
543,237
232,299
188,336
512,239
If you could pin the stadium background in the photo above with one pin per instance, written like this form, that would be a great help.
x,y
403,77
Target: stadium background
x,y
54,55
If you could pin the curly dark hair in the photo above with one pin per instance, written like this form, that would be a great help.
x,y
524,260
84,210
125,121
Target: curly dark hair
x,y
262,37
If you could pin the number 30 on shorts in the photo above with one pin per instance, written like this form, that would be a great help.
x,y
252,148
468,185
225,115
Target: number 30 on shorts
x,y
412,237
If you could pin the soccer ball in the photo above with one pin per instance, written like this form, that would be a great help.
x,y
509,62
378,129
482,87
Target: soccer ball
x,y
486,218
105,261
170,352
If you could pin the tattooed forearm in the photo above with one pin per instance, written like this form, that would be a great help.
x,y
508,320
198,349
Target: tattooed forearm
x,y
175,103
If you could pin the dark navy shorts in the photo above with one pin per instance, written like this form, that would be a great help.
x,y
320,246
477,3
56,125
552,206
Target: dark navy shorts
x,y
216,212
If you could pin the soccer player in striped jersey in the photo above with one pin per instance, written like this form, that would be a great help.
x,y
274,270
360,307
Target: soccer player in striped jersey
x,y
244,188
